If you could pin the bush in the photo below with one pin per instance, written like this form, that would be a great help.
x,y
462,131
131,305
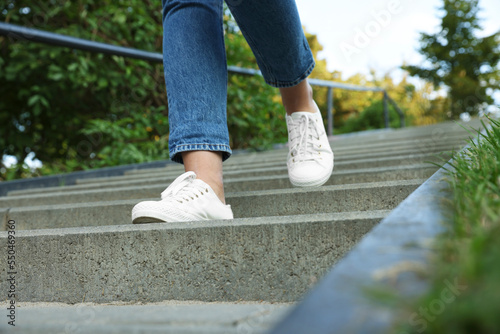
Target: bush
x,y
370,118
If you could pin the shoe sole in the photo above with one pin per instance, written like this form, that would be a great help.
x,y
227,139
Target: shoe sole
x,y
147,220
312,183
146,217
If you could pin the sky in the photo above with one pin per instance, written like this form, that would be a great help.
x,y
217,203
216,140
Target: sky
x,y
379,34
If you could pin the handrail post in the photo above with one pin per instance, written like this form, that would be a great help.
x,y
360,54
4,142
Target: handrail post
x,y
400,112
386,111
330,111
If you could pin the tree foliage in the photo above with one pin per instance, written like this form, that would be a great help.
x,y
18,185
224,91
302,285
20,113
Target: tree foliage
x,y
61,103
459,59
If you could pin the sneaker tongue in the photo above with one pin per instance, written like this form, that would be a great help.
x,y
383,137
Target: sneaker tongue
x,y
302,134
298,114
178,184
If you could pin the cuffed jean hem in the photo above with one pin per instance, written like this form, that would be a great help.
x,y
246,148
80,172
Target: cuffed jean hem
x,y
177,157
285,84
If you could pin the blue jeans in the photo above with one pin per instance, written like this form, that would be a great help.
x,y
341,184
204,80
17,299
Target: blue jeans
x,y
195,63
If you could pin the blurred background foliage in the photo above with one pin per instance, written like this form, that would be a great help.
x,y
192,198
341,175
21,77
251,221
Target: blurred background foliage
x,y
76,110
456,57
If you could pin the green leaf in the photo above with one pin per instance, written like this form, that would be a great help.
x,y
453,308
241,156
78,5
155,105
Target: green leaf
x,y
32,100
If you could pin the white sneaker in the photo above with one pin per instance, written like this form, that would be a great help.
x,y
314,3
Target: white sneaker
x,y
310,159
186,199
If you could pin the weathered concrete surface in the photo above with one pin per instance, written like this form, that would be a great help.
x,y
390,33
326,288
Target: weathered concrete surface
x,y
424,140
171,317
273,259
3,218
282,169
254,183
279,202
70,178
364,149
393,257
427,136
279,158
246,259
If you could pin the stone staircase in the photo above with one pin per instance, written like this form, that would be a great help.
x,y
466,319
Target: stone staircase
x,y
75,244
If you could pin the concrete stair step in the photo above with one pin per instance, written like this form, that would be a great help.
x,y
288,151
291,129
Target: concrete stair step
x,y
402,160
344,152
77,244
436,132
281,202
168,317
423,143
348,142
205,261
380,139
279,159
233,184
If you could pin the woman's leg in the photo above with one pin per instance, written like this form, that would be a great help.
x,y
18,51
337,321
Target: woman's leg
x,y
196,80
273,30
208,167
298,98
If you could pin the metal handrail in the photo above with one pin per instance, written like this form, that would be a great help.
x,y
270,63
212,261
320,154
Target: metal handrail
x,y
35,35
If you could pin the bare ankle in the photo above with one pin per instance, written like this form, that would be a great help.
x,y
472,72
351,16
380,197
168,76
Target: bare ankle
x,y
216,185
208,167
298,98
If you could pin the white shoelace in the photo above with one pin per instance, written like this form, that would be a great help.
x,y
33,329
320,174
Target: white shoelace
x,y
184,189
302,133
